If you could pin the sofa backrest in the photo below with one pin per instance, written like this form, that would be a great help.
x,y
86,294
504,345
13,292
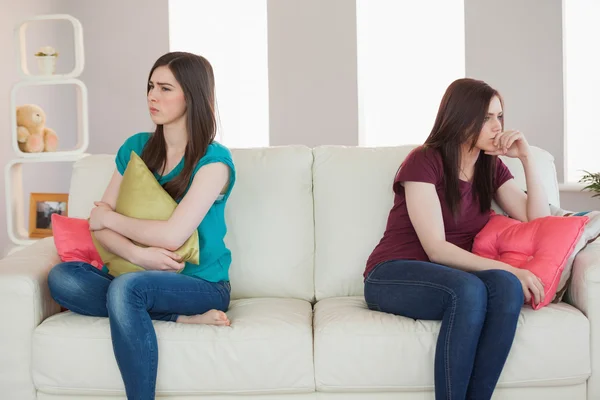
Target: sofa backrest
x,y
353,195
301,222
269,218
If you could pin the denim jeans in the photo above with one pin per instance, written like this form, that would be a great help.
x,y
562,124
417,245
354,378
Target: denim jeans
x,y
130,302
479,313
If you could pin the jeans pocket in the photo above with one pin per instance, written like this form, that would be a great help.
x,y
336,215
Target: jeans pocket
x,y
375,268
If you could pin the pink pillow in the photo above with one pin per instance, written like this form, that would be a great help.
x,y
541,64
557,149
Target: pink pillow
x,y
73,240
541,246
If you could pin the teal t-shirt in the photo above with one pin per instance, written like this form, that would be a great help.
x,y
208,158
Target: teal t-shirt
x,y
215,257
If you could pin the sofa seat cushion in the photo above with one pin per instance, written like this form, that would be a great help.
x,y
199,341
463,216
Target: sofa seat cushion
x,y
267,349
357,349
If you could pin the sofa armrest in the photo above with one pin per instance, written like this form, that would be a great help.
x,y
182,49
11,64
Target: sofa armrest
x,y
584,294
24,303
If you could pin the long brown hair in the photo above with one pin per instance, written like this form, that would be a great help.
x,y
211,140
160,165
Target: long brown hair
x,y
459,121
195,75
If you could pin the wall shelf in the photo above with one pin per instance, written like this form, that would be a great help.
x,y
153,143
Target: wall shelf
x,y
82,113
21,47
16,205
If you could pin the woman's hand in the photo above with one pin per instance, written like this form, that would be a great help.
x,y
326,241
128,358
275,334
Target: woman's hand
x,y
157,259
532,285
511,144
98,216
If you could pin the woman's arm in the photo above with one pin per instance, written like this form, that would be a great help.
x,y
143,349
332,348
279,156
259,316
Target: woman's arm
x,y
522,206
118,244
112,241
149,258
206,186
537,200
425,214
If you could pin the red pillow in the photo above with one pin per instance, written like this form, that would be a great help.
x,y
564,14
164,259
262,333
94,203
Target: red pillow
x,y
541,246
73,240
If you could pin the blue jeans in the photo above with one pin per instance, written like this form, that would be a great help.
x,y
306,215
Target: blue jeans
x,y
130,302
479,313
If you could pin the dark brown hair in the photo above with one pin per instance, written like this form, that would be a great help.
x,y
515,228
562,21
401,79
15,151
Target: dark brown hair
x,y
195,76
459,121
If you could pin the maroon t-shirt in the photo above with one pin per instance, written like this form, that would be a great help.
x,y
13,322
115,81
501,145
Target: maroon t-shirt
x,y
400,241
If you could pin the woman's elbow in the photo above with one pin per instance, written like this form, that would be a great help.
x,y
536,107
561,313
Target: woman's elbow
x,y
172,244
435,251
176,240
173,236
433,254
433,257
537,214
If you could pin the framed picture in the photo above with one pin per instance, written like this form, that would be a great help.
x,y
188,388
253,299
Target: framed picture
x,y
41,208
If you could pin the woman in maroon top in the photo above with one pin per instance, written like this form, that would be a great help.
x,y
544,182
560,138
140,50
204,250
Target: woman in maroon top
x,y
423,267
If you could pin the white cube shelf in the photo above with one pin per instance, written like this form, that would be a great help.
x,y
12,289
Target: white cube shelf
x,y
20,37
15,203
82,119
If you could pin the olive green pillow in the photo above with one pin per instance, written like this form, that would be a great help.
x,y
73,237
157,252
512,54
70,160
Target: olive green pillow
x,y
142,197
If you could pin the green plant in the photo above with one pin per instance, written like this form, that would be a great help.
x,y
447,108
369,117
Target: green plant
x,y
593,181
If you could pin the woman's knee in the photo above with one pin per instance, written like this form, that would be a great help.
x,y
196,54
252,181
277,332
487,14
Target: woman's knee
x,y
469,298
469,291
506,291
125,290
62,279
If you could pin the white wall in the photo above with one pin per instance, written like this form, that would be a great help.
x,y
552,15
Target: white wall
x,y
232,36
581,31
401,82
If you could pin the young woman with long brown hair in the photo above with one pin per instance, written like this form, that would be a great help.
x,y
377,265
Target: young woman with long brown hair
x,y
423,268
199,174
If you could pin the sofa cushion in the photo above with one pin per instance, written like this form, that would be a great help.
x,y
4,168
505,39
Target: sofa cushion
x,y
353,197
357,349
267,349
270,225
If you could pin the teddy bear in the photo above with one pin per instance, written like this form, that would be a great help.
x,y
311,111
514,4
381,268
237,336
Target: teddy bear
x,y
32,134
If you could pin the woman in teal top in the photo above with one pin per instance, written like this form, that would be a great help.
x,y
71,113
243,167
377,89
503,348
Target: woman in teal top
x,y
199,174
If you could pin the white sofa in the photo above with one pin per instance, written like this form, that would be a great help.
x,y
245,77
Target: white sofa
x,y
301,225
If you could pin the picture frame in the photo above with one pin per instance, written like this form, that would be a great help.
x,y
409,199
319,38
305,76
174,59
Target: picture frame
x,y
41,208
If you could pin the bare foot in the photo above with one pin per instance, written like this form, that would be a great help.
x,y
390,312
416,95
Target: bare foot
x,y
211,317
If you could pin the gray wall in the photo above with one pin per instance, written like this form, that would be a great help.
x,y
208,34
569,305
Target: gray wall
x,y
122,40
312,72
516,46
11,14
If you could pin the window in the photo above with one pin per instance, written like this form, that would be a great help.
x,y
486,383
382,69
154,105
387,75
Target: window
x,y
582,87
408,54
232,36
